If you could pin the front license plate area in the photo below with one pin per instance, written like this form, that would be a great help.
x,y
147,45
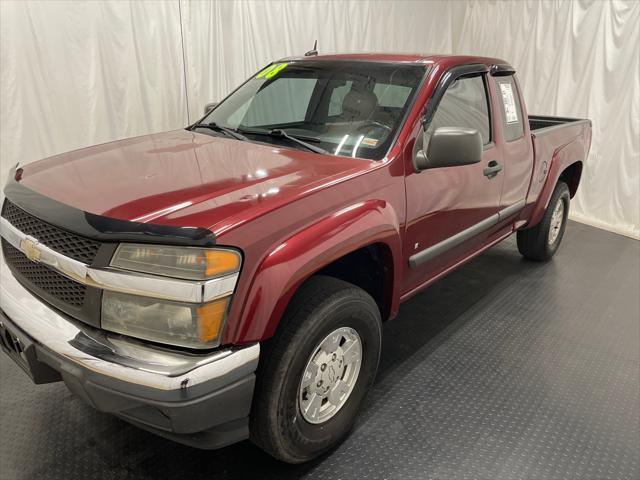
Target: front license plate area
x,y
23,352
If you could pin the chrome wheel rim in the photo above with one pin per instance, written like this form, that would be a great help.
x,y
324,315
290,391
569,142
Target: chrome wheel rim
x,y
330,375
557,218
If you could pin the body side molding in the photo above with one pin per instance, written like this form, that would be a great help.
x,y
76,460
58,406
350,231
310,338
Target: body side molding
x,y
461,237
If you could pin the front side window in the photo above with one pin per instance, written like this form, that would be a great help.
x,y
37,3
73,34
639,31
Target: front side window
x,y
464,104
345,108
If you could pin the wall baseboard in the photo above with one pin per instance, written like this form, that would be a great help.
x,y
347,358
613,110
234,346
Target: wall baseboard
x,y
631,231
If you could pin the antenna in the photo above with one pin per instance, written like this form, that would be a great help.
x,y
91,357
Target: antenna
x,y
314,51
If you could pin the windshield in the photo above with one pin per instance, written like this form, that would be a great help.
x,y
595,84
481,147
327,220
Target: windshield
x,y
346,108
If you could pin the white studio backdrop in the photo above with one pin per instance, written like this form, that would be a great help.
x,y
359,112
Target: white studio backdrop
x,y
74,74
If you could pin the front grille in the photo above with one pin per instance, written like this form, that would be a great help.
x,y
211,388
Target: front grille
x,y
43,278
68,244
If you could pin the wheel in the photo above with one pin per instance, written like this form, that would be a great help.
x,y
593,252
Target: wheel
x,y
542,241
315,372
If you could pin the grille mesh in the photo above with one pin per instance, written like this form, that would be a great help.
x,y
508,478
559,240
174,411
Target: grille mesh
x,y
68,244
58,286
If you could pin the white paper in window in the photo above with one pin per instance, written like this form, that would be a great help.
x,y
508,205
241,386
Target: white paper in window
x,y
509,102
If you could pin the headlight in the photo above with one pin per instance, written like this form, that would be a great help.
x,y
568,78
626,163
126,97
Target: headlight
x,y
192,325
190,263
182,324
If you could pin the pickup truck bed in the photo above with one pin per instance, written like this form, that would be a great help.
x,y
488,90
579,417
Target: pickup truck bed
x,y
538,123
558,144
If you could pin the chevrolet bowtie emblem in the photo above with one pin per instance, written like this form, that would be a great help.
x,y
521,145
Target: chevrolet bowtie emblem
x,y
30,249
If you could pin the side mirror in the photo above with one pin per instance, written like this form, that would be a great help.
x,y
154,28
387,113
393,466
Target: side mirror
x,y
450,147
210,106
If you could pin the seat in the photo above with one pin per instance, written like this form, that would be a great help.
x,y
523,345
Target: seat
x,y
359,108
358,105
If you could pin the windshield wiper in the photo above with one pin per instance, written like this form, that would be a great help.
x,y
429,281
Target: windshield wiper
x,y
279,133
220,128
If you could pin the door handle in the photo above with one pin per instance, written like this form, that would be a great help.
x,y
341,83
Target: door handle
x,y
493,168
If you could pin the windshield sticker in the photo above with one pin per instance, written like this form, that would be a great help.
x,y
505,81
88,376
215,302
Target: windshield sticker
x,y
509,102
271,71
369,142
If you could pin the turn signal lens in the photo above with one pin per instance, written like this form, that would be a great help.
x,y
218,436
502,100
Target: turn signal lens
x,y
220,262
210,318
189,263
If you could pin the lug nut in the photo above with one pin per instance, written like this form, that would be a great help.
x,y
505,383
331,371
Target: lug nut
x,y
323,366
320,383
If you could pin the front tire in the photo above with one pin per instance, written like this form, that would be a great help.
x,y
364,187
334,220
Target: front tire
x,y
541,242
316,371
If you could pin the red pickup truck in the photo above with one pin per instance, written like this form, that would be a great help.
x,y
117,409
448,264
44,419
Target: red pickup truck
x,y
230,280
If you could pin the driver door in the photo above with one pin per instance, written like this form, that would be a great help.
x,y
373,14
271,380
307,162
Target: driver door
x,y
449,208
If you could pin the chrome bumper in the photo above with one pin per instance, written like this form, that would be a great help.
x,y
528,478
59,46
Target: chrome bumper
x,y
199,399
114,356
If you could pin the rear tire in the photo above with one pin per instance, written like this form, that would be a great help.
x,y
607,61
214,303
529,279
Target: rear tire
x,y
541,242
289,376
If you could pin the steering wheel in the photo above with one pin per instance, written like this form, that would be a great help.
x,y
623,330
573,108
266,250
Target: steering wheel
x,y
374,123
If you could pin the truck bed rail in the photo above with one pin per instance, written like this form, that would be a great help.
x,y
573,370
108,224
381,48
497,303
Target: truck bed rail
x,y
540,123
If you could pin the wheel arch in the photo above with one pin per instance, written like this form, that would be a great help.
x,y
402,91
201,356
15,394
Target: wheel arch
x,y
571,176
369,267
337,245
566,165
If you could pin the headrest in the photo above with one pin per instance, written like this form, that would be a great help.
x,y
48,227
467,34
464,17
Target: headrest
x,y
358,105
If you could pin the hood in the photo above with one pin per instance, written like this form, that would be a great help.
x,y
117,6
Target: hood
x,y
184,178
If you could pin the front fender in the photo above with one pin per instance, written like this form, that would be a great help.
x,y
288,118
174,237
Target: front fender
x,y
294,260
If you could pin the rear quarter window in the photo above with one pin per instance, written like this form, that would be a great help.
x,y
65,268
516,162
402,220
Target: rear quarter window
x,y
511,113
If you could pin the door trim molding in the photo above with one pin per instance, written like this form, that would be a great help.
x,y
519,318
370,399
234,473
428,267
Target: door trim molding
x,y
511,209
429,253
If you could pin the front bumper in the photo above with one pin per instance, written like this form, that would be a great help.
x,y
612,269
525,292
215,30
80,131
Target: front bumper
x,y
201,400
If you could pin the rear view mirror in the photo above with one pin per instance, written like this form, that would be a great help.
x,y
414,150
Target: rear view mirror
x,y
210,106
450,147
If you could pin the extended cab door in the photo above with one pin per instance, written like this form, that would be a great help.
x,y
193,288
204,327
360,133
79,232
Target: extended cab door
x,y
451,209
517,148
